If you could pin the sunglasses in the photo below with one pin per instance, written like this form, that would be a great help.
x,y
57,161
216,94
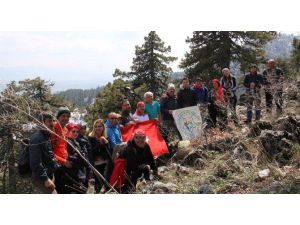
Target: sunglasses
x,y
113,118
100,126
140,137
74,131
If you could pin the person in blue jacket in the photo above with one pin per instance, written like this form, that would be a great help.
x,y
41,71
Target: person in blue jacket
x,y
201,92
113,130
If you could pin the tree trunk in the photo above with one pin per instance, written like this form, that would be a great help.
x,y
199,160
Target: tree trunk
x,y
11,165
226,49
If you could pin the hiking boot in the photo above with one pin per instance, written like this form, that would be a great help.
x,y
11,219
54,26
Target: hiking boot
x,y
257,115
249,117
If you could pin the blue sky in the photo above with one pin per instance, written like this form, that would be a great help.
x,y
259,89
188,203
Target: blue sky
x,y
75,59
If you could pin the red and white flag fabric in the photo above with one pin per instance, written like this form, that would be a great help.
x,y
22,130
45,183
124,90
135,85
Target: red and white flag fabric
x,y
153,136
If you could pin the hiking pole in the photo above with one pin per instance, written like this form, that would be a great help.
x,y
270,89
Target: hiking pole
x,y
128,178
112,186
76,183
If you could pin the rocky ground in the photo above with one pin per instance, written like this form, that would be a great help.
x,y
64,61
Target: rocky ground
x,y
263,157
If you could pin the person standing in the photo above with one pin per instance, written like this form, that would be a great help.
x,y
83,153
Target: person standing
x,y
229,85
217,105
59,145
83,140
168,105
78,171
186,97
113,130
201,92
140,114
152,108
41,157
100,152
253,82
273,81
126,114
85,147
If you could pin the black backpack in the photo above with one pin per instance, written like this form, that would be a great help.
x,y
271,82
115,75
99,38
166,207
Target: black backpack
x,y
23,164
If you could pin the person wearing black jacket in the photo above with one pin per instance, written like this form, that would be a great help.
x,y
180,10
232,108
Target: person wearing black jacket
x,y
83,141
41,157
76,176
139,158
101,157
253,82
167,105
186,97
273,81
85,146
126,114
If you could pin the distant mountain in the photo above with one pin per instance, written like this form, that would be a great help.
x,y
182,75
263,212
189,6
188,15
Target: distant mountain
x,y
80,97
280,47
177,75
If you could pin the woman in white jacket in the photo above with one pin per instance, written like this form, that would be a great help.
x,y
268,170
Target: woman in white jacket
x,y
140,115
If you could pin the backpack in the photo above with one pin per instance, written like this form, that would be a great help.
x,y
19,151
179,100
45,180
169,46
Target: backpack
x,y
23,163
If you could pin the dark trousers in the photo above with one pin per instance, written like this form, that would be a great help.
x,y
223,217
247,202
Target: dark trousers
x,y
60,181
278,97
169,131
105,170
98,181
67,181
215,113
142,170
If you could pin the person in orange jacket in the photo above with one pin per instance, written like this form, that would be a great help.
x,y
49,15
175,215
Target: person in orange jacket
x,y
59,145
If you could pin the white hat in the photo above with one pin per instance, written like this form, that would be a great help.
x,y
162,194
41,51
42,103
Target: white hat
x,y
171,86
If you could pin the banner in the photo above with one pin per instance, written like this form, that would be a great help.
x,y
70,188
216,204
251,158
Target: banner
x,y
189,122
153,137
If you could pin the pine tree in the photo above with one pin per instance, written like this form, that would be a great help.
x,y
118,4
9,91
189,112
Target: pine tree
x,y
150,65
212,51
39,90
111,97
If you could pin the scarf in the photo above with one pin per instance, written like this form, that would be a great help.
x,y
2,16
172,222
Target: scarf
x,y
219,92
139,112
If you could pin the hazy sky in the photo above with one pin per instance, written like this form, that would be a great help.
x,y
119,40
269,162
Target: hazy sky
x,y
75,59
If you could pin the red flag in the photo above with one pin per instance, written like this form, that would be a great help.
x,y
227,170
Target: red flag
x,y
153,137
118,177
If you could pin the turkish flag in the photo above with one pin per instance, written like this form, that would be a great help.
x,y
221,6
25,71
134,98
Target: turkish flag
x,y
153,137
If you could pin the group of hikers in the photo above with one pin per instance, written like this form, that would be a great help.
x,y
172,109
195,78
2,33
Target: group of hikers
x,y
63,156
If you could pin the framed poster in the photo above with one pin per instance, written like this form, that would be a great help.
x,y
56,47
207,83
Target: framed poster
x,y
189,122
